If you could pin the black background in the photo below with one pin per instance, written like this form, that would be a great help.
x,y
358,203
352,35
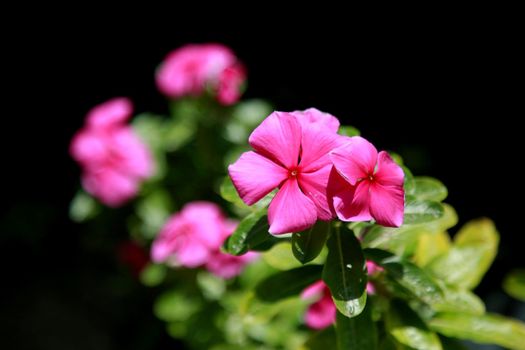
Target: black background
x,y
445,97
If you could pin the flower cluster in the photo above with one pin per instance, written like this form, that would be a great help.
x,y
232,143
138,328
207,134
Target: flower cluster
x,y
113,159
319,173
193,238
192,69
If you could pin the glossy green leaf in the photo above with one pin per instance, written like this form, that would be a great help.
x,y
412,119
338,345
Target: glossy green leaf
x,y
345,271
514,284
322,340
307,245
288,283
347,130
428,188
175,306
475,247
486,329
251,232
417,212
414,279
153,275
358,332
407,328
83,207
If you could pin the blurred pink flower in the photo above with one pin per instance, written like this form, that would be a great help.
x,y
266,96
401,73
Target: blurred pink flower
x,y
193,237
193,68
372,269
291,153
321,313
113,158
372,184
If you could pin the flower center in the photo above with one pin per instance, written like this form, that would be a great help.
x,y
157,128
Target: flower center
x,y
370,177
294,172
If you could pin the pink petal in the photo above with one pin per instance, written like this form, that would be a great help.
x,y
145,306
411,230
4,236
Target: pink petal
x,y
316,145
89,148
388,173
355,160
352,204
313,116
110,113
314,186
321,314
132,155
314,291
254,176
228,266
290,210
192,254
370,289
387,204
230,83
207,223
110,187
278,138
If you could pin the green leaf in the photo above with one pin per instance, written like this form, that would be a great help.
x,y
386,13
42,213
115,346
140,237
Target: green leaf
x,y
175,306
229,193
212,287
475,247
408,329
417,212
251,232
345,271
358,332
428,188
409,183
458,300
485,329
83,207
414,279
279,256
322,340
514,284
288,283
153,210
347,130
431,245
153,275
307,245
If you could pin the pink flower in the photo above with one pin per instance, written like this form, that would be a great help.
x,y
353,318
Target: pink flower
x,y
372,269
370,185
191,236
191,69
228,266
291,153
321,313
194,236
113,158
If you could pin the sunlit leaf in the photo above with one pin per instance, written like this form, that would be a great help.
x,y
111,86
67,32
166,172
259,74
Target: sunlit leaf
x,y
485,329
175,306
417,212
428,188
408,329
514,284
347,130
475,247
345,271
431,245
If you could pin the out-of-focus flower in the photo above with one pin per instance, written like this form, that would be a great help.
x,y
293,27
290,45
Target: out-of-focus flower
x,y
191,69
194,236
113,158
291,153
373,184
321,313
372,269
